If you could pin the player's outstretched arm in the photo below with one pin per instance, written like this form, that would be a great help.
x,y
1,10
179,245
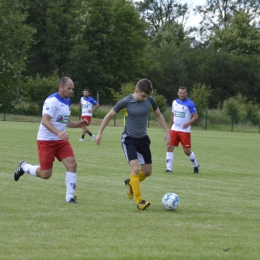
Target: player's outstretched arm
x,y
81,123
163,124
104,123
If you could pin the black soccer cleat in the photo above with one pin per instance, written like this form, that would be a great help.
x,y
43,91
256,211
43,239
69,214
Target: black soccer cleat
x,y
19,171
72,200
196,169
167,171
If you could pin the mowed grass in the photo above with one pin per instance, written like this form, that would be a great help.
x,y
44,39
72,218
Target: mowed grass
x,y
218,217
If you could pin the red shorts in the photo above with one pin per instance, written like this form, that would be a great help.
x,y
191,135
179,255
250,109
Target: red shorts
x,y
48,150
180,137
88,118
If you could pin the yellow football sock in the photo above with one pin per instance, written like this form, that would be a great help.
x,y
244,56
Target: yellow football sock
x,y
135,184
141,175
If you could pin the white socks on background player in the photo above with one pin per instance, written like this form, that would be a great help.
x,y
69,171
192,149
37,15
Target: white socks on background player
x,y
70,181
170,158
30,169
193,159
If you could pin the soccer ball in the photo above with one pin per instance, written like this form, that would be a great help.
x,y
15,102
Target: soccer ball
x,y
170,201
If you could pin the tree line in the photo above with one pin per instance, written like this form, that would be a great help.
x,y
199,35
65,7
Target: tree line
x,y
104,44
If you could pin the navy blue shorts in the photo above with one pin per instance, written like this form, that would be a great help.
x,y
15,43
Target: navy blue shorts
x,y
137,148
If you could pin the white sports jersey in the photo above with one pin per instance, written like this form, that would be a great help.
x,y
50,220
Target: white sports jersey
x,y
182,111
59,110
87,104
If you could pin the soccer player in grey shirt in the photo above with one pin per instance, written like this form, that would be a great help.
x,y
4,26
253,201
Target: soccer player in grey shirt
x,y
135,141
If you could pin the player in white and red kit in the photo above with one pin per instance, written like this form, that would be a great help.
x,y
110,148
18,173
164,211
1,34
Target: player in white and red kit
x,y
88,106
53,141
184,113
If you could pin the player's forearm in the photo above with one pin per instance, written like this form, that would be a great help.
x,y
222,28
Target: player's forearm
x,y
72,124
104,123
94,108
194,118
162,123
106,120
50,126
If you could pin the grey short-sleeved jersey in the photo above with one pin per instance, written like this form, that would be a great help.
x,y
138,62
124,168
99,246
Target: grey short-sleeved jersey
x,y
136,114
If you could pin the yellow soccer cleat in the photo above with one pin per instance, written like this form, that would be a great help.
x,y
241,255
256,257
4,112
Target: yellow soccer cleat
x,y
129,190
143,205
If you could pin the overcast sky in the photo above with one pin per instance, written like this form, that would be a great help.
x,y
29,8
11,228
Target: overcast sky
x,y
195,2
193,20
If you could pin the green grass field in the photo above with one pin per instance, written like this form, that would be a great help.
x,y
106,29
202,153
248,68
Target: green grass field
x,y
218,217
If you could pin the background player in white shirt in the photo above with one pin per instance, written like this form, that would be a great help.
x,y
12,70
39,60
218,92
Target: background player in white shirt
x,y
53,141
88,106
184,113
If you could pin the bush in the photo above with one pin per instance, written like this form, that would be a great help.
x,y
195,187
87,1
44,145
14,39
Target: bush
x,y
101,111
252,111
27,109
200,95
232,109
75,110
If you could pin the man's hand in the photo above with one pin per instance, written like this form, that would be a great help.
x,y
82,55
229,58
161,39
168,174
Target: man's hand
x,y
167,137
98,139
83,122
63,135
185,126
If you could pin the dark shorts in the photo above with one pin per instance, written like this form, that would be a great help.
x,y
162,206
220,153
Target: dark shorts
x,y
137,148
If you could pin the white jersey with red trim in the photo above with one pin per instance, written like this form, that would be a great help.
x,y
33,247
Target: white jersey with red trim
x,y
59,111
182,111
87,104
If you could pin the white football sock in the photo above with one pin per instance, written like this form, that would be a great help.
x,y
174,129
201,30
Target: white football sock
x,y
193,159
30,169
70,181
169,160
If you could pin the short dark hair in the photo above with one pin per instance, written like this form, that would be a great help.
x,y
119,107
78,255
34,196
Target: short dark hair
x,y
183,88
63,81
145,85
86,90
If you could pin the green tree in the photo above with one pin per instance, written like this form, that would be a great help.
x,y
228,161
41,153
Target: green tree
x,y
158,12
166,69
61,29
57,23
15,40
226,74
217,14
239,38
110,50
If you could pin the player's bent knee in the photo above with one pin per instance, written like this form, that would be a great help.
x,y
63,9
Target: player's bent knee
x,y
45,175
170,148
147,173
